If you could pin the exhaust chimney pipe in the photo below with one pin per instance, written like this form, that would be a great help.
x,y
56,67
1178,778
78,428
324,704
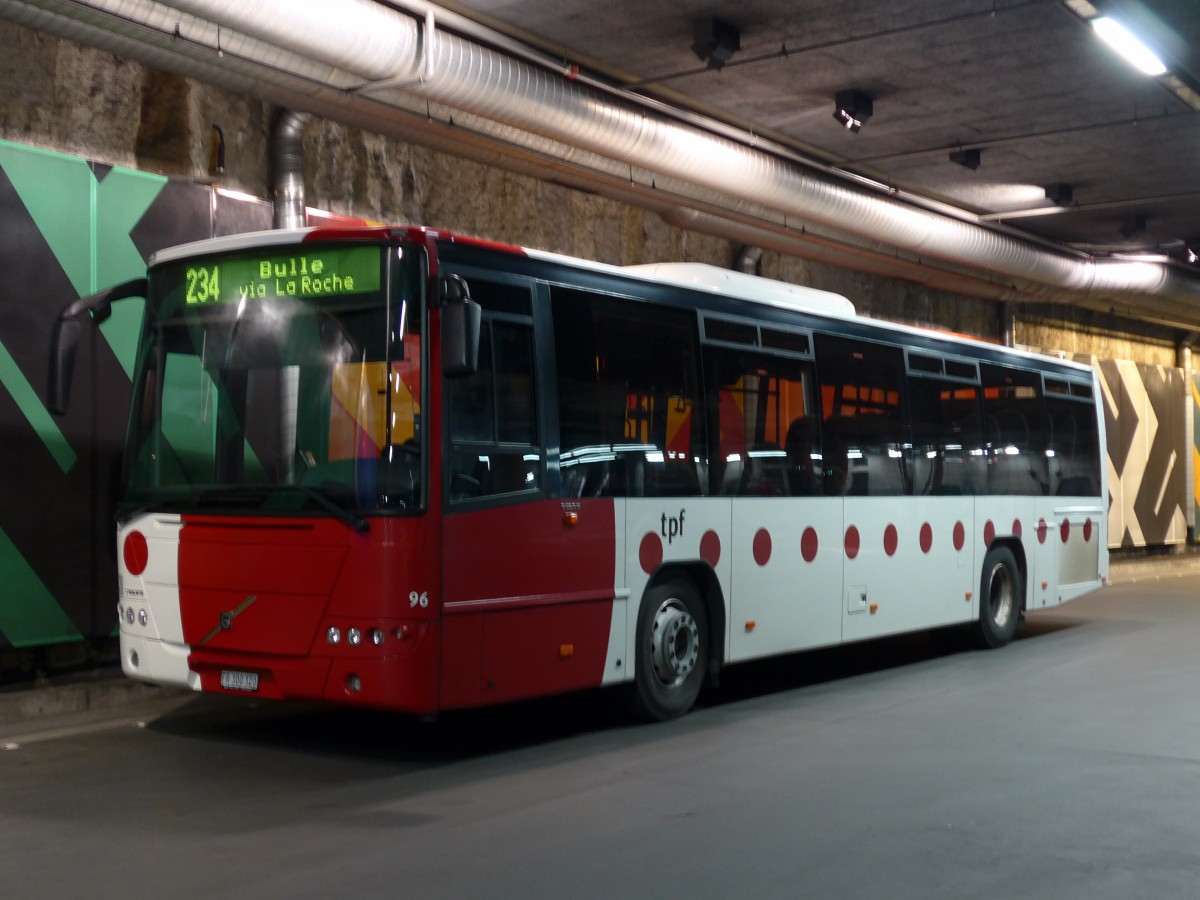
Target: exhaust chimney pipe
x,y
287,161
748,259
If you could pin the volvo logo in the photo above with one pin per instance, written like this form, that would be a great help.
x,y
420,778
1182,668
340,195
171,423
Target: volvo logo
x,y
225,619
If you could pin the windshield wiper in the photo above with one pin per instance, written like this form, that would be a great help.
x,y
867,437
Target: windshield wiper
x,y
235,493
358,523
262,491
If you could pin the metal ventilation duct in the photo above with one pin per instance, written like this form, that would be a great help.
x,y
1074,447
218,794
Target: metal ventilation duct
x,y
367,59
287,164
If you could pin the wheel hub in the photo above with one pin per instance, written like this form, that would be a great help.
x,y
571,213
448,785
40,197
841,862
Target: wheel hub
x,y
1001,596
674,643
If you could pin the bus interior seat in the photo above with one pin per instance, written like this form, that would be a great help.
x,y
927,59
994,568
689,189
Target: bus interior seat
x,y
798,447
671,478
835,455
764,473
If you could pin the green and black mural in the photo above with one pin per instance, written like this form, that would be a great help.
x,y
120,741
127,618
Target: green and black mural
x,y
69,227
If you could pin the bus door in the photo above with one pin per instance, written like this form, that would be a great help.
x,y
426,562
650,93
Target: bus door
x,y
527,580
631,437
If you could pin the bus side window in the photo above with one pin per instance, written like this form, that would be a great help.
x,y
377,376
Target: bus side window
x,y
765,423
1073,451
628,411
863,420
947,443
494,442
1015,431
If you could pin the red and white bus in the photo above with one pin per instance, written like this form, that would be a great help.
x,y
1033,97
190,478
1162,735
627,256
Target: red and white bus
x,y
399,468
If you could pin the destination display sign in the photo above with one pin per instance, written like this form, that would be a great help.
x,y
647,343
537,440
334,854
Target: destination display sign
x,y
294,272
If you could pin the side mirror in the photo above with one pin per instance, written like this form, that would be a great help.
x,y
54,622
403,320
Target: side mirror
x,y
64,340
461,318
64,345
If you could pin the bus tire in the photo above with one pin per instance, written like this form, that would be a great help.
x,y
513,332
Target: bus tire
x,y
671,658
1000,595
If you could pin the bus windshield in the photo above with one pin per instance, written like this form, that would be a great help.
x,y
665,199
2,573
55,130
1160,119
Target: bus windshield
x,y
286,379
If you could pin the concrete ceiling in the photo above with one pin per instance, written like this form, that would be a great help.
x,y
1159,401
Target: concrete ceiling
x,y
1026,82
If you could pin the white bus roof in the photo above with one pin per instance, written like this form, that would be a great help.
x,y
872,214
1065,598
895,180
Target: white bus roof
x,y
246,240
730,282
695,276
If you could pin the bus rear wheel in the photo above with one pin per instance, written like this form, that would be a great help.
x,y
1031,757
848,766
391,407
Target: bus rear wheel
x,y
999,598
672,650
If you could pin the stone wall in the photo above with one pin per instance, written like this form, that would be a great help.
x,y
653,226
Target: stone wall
x,y
1080,332
61,96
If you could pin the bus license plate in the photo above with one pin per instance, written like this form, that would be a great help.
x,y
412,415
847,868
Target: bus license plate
x,y
239,681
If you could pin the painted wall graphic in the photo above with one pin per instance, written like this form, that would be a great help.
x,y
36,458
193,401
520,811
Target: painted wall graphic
x,y
69,227
1147,466
1195,390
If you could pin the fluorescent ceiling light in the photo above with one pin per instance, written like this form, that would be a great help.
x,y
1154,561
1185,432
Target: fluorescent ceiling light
x,y
1135,52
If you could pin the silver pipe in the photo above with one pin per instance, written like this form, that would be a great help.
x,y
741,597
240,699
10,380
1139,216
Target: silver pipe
x,y
367,41
747,259
1008,324
492,85
287,163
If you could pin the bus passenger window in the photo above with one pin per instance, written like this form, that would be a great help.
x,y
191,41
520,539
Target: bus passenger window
x,y
947,455
494,443
766,426
1014,430
1073,450
863,430
628,412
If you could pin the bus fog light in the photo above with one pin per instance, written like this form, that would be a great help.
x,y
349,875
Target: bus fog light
x,y
353,684
143,618
354,637
133,659
333,635
377,637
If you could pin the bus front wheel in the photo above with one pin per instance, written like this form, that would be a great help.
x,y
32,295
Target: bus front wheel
x,y
999,598
672,650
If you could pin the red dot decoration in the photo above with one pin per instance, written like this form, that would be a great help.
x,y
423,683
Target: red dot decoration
x,y
650,554
1064,530
960,535
808,544
710,548
989,533
762,547
1087,530
890,540
1042,530
1016,530
853,542
926,537
136,552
